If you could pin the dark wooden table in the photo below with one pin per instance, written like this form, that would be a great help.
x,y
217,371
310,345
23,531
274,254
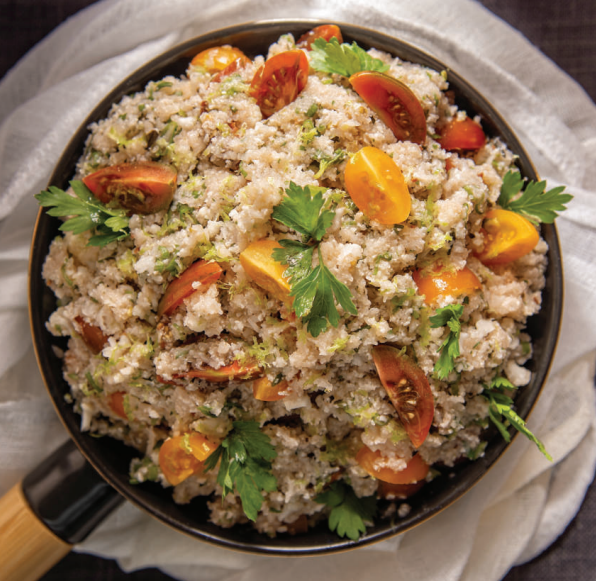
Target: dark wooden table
x,y
564,31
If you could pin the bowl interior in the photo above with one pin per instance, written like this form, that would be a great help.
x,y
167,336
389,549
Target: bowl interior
x,y
111,458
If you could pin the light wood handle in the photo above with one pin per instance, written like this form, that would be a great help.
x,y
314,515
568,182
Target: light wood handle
x,y
28,549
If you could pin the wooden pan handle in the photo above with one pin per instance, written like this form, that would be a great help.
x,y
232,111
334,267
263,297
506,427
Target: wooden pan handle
x,y
28,548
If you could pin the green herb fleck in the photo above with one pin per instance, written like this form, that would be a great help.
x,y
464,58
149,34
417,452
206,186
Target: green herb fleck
x,y
448,316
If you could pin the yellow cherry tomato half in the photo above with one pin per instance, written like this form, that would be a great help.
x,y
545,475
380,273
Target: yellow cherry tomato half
x,y
507,237
377,186
176,461
445,283
415,470
259,265
264,390
217,58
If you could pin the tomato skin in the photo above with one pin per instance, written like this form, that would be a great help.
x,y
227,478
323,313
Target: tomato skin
x,y
408,389
233,67
116,404
264,390
259,265
233,372
394,102
279,81
180,288
442,283
217,58
92,335
462,134
143,187
416,469
508,236
401,491
325,31
377,186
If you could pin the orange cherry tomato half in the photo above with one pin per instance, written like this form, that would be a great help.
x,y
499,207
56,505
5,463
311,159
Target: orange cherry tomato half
x,y
401,491
441,283
144,187
264,390
325,31
415,470
508,236
394,102
176,462
217,58
233,67
259,265
182,287
279,81
116,404
233,372
462,134
408,389
92,335
377,186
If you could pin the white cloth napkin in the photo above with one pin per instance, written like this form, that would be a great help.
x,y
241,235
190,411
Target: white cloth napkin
x,y
525,502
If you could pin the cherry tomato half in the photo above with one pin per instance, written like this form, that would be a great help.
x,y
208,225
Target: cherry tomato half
x,y
325,31
415,470
408,389
217,58
233,372
144,187
400,491
233,67
394,102
508,236
462,134
182,287
264,390
257,261
116,404
182,456
92,335
441,283
279,81
377,186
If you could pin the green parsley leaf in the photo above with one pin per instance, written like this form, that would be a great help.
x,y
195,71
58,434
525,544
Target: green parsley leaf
x,y
245,464
447,316
85,213
342,59
348,512
534,203
500,410
301,210
298,257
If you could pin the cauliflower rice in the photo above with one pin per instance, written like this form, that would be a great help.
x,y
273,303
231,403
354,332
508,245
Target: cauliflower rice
x,y
233,167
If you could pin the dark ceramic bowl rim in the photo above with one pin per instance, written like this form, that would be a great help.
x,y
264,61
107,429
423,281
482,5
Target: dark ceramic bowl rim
x,y
110,458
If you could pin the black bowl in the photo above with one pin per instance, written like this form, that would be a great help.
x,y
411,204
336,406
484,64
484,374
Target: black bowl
x,y
111,458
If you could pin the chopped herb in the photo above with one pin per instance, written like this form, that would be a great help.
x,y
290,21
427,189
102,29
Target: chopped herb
x,y
448,316
349,514
163,84
342,59
500,406
245,464
110,224
167,262
326,161
312,110
534,203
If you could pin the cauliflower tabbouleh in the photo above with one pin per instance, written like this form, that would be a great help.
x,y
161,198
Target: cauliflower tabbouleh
x,y
270,343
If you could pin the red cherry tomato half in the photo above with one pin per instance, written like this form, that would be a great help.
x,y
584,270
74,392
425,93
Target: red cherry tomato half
x,y
400,491
182,287
217,58
415,470
144,187
233,372
408,389
116,404
394,102
462,134
325,31
279,81
92,335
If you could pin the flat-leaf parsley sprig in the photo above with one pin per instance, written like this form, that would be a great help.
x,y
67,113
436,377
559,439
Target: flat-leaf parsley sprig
x,y
315,290
342,59
245,464
533,203
500,410
88,213
448,316
349,514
